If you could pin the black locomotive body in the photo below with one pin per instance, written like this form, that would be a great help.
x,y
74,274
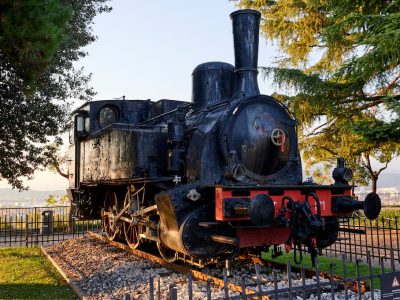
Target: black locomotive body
x,y
215,176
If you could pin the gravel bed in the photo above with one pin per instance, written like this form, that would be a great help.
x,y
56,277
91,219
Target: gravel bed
x,y
245,269
105,272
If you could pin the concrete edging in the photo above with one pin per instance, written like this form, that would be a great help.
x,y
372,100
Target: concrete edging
x,y
78,291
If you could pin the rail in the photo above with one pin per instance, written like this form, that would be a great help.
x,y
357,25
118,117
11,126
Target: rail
x,y
334,282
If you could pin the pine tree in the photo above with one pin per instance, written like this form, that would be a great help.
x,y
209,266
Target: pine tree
x,y
340,70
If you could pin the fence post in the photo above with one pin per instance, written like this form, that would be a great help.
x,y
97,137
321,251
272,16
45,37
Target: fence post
x,y
190,285
289,276
381,260
26,230
159,289
208,289
258,280
275,285
173,292
303,283
346,291
10,223
151,290
358,278
127,296
317,277
370,275
397,238
226,292
70,220
331,280
392,265
243,288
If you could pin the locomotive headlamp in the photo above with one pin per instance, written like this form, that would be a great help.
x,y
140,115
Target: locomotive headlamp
x,y
79,131
107,116
341,174
80,123
348,174
87,124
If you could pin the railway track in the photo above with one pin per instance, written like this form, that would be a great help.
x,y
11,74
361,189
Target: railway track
x,y
237,284
196,275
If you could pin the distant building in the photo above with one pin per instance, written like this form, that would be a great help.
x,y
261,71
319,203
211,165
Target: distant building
x,y
389,195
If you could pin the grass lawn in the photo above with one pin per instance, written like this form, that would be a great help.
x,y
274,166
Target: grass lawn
x,y
324,265
26,274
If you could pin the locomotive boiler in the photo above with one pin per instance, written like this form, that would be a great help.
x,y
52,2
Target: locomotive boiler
x,y
214,177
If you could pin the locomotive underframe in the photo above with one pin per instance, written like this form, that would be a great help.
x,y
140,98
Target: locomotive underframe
x,y
141,215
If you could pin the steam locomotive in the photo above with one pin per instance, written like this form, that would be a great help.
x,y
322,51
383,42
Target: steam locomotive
x,y
214,177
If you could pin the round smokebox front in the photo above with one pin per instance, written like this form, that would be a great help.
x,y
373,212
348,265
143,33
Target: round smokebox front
x,y
259,134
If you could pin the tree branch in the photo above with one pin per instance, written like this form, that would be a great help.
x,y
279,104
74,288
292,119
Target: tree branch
x,y
56,166
390,85
329,151
375,99
328,123
368,164
381,169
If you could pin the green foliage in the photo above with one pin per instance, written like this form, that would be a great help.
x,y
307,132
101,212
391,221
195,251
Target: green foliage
x,y
39,42
340,73
52,200
388,218
390,214
26,274
324,263
31,33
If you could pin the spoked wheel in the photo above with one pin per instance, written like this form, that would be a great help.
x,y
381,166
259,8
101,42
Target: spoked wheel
x,y
166,253
108,215
134,228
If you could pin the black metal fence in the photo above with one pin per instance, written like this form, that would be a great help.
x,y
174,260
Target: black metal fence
x,y
379,238
41,226
46,225
295,285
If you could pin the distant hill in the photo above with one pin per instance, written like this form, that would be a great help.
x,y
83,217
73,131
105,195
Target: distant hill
x,y
9,197
389,180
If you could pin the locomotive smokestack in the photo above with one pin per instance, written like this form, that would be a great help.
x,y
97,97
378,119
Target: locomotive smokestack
x,y
246,26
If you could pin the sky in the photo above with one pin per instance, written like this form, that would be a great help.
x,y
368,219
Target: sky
x,y
148,50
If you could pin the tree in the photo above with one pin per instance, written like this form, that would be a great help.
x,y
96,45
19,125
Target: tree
x,y
340,69
340,141
31,32
51,200
39,42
